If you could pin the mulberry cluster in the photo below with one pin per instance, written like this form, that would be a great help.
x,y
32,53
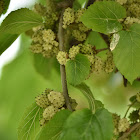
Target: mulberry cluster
x,y
68,17
62,57
98,66
109,64
74,51
78,15
86,49
52,102
116,119
42,100
43,41
131,20
123,125
78,35
56,98
134,9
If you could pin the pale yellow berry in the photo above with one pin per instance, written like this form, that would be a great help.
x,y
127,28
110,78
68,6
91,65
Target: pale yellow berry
x,y
62,57
49,112
68,17
121,1
123,125
82,27
56,98
78,35
42,100
48,35
86,49
36,48
74,51
42,122
91,59
78,15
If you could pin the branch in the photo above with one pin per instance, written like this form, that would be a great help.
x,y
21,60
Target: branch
x,y
62,67
126,134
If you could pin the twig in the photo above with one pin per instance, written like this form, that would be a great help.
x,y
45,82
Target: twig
x,y
62,67
129,108
126,134
100,50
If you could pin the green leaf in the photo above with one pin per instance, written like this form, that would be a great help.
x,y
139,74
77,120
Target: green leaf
x,y
20,21
53,128
95,39
134,137
127,53
103,16
29,126
93,104
83,125
44,66
78,69
4,4
6,40
78,4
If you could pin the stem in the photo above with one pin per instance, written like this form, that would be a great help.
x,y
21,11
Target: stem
x,y
100,50
126,134
62,67
129,108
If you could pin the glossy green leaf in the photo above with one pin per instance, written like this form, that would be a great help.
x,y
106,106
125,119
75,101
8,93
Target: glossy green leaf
x,y
93,104
78,69
83,125
127,53
53,128
20,21
4,4
6,40
103,16
29,126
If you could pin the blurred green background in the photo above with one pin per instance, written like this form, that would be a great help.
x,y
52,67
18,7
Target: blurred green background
x,y
20,83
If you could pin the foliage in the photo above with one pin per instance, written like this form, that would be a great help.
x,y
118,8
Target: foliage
x,y
88,39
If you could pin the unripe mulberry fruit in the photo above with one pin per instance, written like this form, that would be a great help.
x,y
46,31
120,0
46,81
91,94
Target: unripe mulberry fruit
x,y
78,35
42,100
42,122
49,112
56,98
62,57
68,17
74,51
78,15
123,125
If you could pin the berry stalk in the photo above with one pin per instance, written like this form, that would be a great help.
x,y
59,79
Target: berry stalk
x,y
62,67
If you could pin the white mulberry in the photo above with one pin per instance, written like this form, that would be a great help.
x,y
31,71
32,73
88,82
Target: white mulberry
x,y
56,98
68,17
42,100
62,57
49,112
123,125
